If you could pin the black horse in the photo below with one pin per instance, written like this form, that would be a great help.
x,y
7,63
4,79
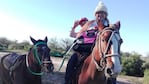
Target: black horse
x,y
26,69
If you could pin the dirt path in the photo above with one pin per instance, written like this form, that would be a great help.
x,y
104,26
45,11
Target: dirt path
x,y
58,77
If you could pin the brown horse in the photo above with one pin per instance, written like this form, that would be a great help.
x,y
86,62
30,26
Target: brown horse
x,y
26,69
103,65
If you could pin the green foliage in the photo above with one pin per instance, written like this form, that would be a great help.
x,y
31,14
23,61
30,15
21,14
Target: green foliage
x,y
146,64
59,47
146,77
132,64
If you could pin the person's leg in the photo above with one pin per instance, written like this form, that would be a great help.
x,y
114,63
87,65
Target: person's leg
x,y
70,69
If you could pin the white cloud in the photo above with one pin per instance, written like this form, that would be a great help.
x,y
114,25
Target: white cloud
x,y
14,28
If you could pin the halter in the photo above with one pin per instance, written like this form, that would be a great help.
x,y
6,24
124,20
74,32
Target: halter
x,y
37,58
103,54
106,50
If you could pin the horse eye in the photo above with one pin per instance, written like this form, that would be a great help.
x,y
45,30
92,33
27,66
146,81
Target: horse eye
x,y
103,40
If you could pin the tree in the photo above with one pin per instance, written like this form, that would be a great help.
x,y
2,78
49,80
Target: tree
x,y
59,47
146,65
26,45
4,43
53,44
66,43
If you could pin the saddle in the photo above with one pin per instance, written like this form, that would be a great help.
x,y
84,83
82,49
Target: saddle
x,y
12,61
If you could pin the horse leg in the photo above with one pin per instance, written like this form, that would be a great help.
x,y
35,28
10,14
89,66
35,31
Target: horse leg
x,y
82,79
111,80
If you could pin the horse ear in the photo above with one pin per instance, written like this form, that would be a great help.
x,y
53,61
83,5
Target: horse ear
x,y
46,39
118,25
33,40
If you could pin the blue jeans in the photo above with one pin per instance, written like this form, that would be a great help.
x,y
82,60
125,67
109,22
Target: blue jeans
x,y
70,69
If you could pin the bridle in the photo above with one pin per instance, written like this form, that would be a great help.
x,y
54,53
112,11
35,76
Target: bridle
x,y
36,56
103,54
108,44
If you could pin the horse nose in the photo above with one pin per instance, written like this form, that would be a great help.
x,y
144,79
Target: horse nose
x,y
108,72
50,68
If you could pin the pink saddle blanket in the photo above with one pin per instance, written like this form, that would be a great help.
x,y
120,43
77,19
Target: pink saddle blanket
x,y
89,36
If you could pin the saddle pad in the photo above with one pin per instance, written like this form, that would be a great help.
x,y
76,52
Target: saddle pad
x,y
11,61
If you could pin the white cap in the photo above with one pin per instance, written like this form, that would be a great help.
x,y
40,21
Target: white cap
x,y
101,7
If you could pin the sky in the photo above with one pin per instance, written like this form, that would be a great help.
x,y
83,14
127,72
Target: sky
x,y
20,19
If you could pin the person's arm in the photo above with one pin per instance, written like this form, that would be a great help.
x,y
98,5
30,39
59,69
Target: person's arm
x,y
72,32
84,28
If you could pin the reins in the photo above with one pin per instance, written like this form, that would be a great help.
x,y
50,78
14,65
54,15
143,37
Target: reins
x,y
64,55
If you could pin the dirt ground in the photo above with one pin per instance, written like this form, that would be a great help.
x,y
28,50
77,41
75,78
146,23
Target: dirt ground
x,y
57,77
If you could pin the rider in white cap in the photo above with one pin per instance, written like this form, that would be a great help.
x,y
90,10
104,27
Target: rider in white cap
x,y
101,13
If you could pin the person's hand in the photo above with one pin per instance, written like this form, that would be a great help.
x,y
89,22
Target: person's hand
x,y
76,23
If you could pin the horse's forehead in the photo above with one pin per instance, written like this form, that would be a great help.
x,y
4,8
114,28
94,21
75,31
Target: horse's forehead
x,y
104,37
40,41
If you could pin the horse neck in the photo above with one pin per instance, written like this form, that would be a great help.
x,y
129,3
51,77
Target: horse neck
x,y
96,52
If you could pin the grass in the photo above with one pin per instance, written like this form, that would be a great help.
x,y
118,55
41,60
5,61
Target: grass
x,y
146,77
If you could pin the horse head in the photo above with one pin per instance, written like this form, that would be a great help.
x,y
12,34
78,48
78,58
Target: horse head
x,y
40,55
108,44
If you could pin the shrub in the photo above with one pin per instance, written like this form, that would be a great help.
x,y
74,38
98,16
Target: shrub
x,y
132,65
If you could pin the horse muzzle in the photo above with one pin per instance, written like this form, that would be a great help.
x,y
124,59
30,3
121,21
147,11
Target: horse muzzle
x,y
47,66
109,73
